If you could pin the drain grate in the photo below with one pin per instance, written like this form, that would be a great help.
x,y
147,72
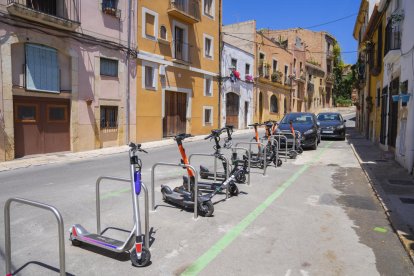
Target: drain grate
x,y
401,182
407,200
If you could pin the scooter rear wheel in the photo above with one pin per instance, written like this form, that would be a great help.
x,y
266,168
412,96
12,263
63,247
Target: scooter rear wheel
x,y
206,208
233,190
145,257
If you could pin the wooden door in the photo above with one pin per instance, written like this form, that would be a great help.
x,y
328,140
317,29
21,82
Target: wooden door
x,y
393,114
384,105
179,43
232,109
41,125
174,121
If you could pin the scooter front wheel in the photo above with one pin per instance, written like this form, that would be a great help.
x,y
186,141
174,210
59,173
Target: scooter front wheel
x,y
206,208
241,177
145,257
233,190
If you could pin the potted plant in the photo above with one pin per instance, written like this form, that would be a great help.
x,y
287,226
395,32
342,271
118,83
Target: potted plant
x,y
405,98
404,87
277,76
249,78
395,98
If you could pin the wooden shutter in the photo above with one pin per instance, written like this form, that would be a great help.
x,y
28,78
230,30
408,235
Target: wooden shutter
x,y
42,68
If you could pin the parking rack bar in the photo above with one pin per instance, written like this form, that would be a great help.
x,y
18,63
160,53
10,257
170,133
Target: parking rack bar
x,y
215,166
248,162
7,231
180,166
279,137
250,150
98,204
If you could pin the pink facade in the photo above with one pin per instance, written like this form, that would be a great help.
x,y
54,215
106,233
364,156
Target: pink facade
x,y
64,76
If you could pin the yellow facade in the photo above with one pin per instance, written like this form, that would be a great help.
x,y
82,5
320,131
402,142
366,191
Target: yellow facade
x,y
172,40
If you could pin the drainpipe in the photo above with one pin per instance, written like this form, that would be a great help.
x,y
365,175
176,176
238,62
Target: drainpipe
x,y
220,60
128,97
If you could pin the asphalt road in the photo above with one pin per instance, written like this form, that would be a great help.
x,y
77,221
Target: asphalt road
x,y
316,215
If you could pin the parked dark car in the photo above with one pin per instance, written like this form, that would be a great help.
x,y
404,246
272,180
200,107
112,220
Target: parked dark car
x,y
332,125
307,124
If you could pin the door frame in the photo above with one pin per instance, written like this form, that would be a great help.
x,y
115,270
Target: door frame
x,y
189,93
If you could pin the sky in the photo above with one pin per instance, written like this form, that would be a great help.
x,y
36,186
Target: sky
x,y
284,14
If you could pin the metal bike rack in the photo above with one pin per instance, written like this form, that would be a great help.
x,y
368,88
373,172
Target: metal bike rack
x,y
180,166
7,231
215,166
250,149
98,204
248,163
279,137
272,140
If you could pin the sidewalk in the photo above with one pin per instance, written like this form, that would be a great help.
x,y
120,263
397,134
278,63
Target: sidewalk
x,y
393,186
60,157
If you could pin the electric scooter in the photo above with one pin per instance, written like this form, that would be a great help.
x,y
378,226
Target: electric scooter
x,y
295,143
184,196
272,155
239,170
139,254
257,159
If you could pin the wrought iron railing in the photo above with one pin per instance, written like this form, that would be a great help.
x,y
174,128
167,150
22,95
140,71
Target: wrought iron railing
x,y
182,51
392,37
65,9
189,7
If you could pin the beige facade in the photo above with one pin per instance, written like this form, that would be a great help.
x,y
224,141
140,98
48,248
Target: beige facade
x,y
319,52
178,64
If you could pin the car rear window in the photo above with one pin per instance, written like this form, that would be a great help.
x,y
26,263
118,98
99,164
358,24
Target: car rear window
x,y
329,117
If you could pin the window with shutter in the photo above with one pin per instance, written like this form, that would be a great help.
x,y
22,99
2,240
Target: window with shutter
x,y
109,67
42,69
149,25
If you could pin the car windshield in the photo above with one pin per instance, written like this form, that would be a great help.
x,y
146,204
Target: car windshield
x,y
298,119
329,117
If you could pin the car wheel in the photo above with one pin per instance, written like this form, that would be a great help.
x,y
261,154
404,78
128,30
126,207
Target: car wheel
x,y
315,145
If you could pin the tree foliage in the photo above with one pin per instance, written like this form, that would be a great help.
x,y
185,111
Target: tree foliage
x,y
344,76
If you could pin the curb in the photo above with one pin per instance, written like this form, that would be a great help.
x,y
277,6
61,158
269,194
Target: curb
x,y
56,158
377,191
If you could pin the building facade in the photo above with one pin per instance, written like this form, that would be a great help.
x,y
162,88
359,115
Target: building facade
x,y
237,87
318,49
178,67
64,76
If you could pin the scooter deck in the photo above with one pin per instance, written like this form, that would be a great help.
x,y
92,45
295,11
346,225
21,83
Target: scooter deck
x,y
102,240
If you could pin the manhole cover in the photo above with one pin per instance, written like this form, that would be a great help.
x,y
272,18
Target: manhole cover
x,y
401,182
407,200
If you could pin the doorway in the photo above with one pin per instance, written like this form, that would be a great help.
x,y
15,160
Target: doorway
x,y
260,107
174,121
232,109
246,112
41,125
393,113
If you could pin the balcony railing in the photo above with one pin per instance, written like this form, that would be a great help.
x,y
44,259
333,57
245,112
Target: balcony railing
x,y
62,14
392,37
187,10
264,71
182,51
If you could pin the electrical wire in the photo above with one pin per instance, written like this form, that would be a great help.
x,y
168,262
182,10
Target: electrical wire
x,y
330,22
280,47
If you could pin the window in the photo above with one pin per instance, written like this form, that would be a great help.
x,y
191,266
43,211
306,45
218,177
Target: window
x,y
286,70
42,68
109,67
208,86
208,47
57,113
109,117
234,63
300,66
163,32
274,65
273,104
207,116
209,8
107,4
26,113
247,69
320,81
149,77
149,24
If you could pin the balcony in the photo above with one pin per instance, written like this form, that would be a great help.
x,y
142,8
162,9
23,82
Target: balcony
x,y
185,10
63,14
392,42
329,78
181,52
110,8
263,70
